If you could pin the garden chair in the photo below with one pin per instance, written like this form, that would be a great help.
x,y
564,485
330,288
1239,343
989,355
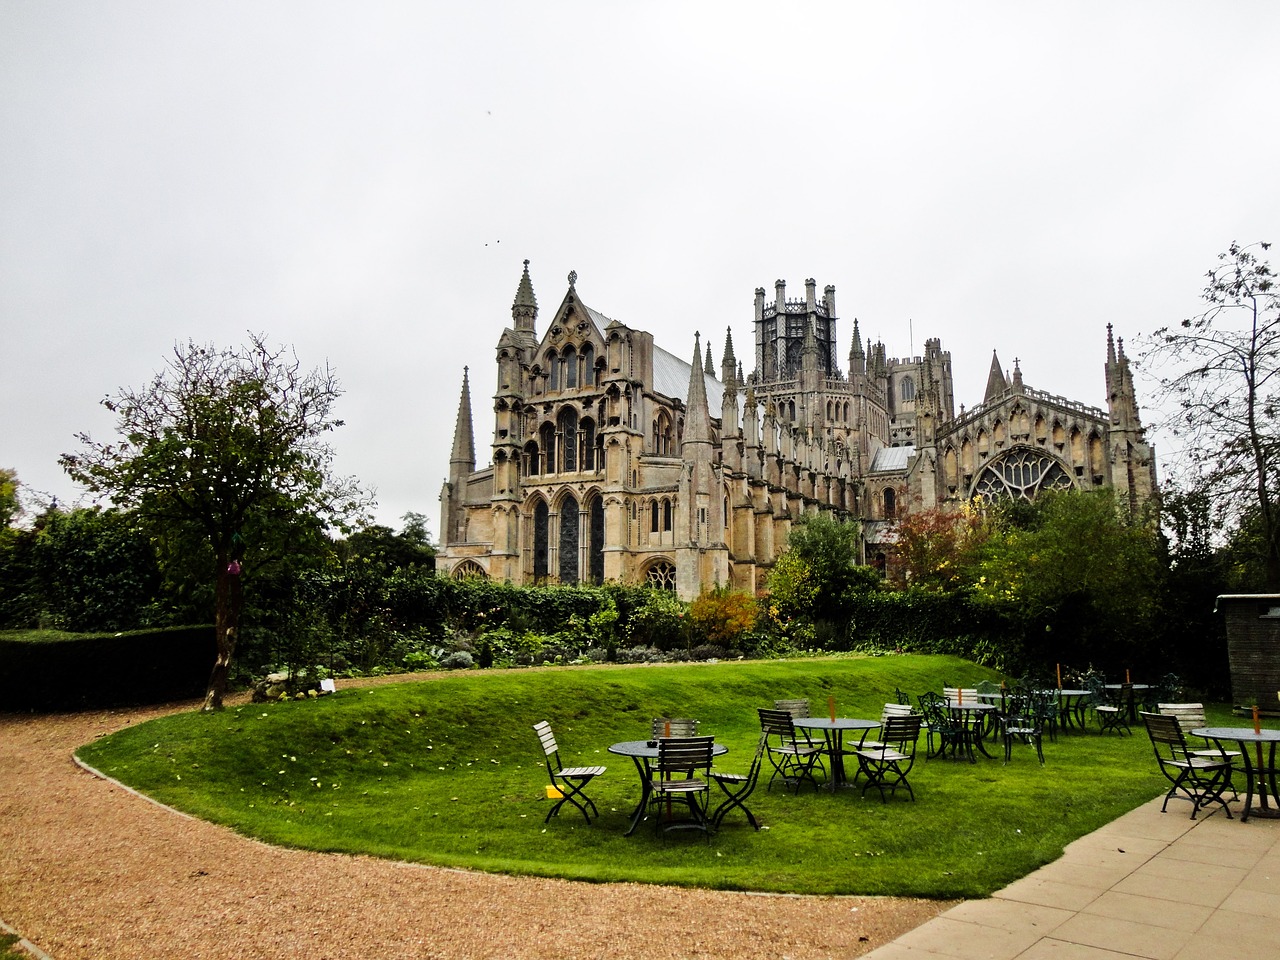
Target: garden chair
x,y
1112,713
738,787
886,767
1201,780
669,727
953,734
799,709
683,772
569,781
1023,722
890,710
1190,716
790,751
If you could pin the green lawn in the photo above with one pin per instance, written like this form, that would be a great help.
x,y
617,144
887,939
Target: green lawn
x,y
449,772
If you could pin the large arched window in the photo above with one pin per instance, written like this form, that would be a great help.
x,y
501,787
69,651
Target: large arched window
x,y
595,540
1021,473
908,389
570,367
567,423
569,525
587,434
588,365
661,575
890,503
547,434
553,368
541,540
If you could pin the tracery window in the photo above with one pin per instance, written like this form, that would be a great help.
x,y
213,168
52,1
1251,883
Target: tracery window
x,y
1021,474
661,575
568,424
569,530
553,368
908,389
570,367
469,568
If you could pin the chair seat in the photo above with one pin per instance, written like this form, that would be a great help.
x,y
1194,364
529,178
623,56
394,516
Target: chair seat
x,y
729,777
581,772
885,754
680,786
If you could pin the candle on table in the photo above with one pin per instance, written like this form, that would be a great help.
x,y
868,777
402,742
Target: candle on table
x,y
1059,676
666,729
831,708
1126,675
1257,725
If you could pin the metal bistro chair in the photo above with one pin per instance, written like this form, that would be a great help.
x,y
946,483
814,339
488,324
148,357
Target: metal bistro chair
x,y
1198,779
682,772
799,709
791,754
886,767
1023,722
1111,714
570,781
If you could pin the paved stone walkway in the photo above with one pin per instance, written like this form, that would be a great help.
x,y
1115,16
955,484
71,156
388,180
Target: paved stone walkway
x,y
1149,885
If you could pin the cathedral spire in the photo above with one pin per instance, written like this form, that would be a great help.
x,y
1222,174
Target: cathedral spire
x,y
524,310
710,368
463,459
729,365
996,383
697,424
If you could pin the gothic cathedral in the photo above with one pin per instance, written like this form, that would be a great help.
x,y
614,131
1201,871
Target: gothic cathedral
x,y
608,463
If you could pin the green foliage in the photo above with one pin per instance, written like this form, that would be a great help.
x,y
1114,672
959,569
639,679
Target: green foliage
x,y
228,446
93,569
449,772
819,572
1083,579
10,506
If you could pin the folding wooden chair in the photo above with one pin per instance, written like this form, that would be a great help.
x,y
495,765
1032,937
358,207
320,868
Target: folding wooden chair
x,y
1202,780
570,781
737,788
682,772
886,767
791,753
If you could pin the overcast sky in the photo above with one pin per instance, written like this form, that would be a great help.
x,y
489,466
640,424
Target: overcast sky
x,y
362,182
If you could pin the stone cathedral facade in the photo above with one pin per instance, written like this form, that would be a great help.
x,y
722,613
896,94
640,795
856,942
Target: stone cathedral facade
x,y
613,459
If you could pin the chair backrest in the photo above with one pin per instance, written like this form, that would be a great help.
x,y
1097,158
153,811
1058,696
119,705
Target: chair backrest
x,y
797,708
894,710
776,723
902,696
988,687
1166,736
1190,715
684,754
953,694
902,732
674,727
548,741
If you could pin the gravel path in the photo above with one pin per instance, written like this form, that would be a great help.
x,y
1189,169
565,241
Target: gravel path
x,y
88,870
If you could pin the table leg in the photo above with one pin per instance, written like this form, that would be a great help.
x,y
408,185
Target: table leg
x,y
638,813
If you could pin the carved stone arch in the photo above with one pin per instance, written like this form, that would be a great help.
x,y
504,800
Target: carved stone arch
x,y
1021,473
660,573
469,568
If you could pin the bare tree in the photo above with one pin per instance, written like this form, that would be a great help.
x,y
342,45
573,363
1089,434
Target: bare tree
x,y
218,439
1220,368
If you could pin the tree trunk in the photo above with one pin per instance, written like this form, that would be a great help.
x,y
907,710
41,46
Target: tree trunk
x,y
228,600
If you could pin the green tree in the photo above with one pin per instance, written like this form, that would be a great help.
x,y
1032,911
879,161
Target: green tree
x,y
1084,579
816,576
10,506
411,547
1221,367
94,569
221,440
